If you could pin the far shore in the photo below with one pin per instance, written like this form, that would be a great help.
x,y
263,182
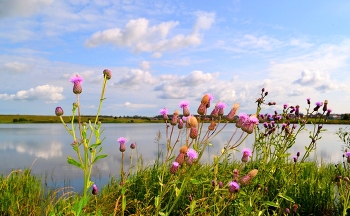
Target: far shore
x,y
25,119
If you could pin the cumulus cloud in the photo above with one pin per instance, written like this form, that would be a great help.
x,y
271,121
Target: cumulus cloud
x,y
48,93
139,36
320,81
10,8
16,67
136,78
132,105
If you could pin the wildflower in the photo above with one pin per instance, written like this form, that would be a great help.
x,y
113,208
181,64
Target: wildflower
x,y
242,118
286,210
107,73
308,101
192,155
245,179
174,167
221,185
215,112
328,112
77,81
180,158
181,124
174,119
94,189
249,124
213,183
266,125
235,174
318,105
193,133
190,197
231,115
164,112
246,154
285,106
295,158
266,93
221,106
192,122
233,187
122,141
211,98
59,111
325,106
298,154
348,156
212,125
202,109
184,149
297,112
184,105
295,208
132,145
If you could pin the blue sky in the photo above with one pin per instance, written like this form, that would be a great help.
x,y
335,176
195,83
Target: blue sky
x,y
163,52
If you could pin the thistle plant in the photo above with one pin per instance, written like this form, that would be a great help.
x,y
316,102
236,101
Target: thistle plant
x,y
88,151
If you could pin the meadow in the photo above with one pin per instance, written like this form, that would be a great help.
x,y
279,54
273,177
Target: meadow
x,y
264,180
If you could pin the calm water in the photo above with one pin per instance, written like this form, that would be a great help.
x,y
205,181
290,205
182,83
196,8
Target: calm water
x,y
49,145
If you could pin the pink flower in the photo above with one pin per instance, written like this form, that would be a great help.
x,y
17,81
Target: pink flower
x,y
163,111
211,97
221,105
122,140
184,104
247,152
233,187
242,118
77,79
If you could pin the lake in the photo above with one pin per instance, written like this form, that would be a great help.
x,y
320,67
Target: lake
x,y
45,147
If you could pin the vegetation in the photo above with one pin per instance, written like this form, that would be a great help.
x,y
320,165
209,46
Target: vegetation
x,y
264,180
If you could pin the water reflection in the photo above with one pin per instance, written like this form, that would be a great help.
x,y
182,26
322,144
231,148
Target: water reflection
x,y
21,144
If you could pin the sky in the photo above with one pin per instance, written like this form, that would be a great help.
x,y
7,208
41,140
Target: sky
x,y
163,52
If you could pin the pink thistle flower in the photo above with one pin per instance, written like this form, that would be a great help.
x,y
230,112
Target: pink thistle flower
x,y
211,98
233,187
242,118
221,105
77,79
246,154
181,124
192,155
174,167
164,112
184,103
308,100
122,140
249,124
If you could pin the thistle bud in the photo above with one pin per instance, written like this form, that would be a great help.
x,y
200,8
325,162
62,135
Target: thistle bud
x,y
94,190
107,73
202,109
181,124
325,106
59,111
77,89
193,133
132,145
180,158
233,187
174,167
212,125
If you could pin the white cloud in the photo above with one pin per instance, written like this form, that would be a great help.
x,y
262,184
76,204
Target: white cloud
x,y
9,8
132,105
16,67
48,93
140,37
136,78
145,65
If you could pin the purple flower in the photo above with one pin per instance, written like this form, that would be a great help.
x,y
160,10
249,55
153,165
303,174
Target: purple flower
x,y
191,153
241,120
308,100
347,154
211,97
94,190
285,106
221,105
77,79
122,140
163,111
58,111
295,158
318,103
184,103
266,125
233,187
247,152
174,167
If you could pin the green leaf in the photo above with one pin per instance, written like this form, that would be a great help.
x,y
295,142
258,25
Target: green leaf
x,y
286,198
71,161
99,157
195,181
100,150
94,145
269,203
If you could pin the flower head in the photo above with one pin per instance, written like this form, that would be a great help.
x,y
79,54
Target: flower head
x,y
174,167
221,105
242,118
122,140
163,111
94,190
77,79
233,187
285,106
107,73
58,111
184,103
247,152
132,145
191,153
308,100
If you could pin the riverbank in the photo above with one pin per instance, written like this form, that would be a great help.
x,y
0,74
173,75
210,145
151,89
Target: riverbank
x,y
109,119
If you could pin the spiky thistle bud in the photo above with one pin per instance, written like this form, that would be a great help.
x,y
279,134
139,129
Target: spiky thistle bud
x,y
122,141
325,106
246,154
215,112
221,106
59,111
231,115
202,109
107,73
184,105
132,145
192,122
94,190
245,179
212,125
180,158
193,133
174,167
184,149
181,124
174,119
